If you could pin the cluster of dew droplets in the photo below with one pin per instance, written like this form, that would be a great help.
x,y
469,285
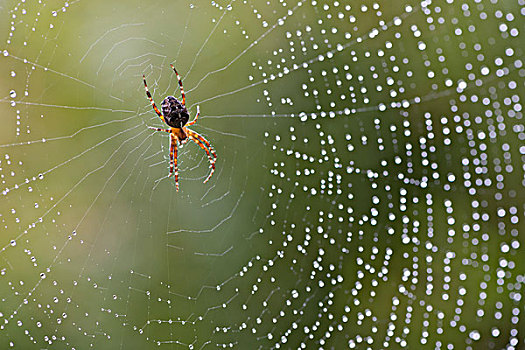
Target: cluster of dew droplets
x,y
398,225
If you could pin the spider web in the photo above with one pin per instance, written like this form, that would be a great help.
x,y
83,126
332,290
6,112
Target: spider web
x,y
368,190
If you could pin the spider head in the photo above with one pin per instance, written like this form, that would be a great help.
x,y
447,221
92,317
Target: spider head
x,y
174,112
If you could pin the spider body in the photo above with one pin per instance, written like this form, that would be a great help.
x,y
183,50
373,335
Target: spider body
x,y
176,116
175,113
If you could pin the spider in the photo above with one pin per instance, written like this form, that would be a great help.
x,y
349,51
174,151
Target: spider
x,y
176,116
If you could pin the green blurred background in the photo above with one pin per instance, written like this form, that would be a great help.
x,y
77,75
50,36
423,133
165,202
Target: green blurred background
x,y
368,191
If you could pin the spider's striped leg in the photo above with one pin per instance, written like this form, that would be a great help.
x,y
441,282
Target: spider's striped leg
x,y
158,129
205,145
212,163
195,119
180,84
173,160
151,99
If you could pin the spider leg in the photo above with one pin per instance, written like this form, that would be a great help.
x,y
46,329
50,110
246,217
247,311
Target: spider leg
x,y
195,119
206,146
206,142
151,100
158,129
180,84
173,160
